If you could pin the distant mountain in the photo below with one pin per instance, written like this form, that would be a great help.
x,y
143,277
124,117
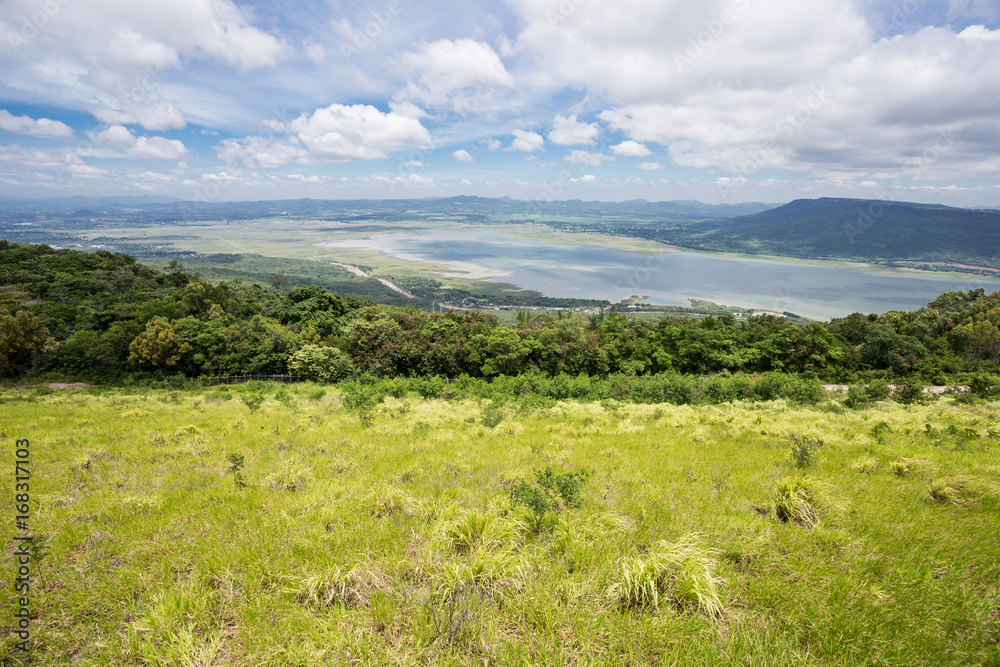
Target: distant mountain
x,y
858,229
165,208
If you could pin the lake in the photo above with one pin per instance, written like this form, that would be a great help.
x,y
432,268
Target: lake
x,y
594,272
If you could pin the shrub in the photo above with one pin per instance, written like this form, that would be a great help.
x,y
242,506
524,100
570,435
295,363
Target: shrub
x,y
857,397
908,393
803,449
550,491
879,431
878,390
326,363
680,573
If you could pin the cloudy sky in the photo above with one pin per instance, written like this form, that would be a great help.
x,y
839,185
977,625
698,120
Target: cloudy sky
x,y
715,100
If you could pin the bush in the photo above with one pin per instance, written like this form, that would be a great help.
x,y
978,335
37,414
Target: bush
x,y
878,390
908,393
803,449
857,397
550,491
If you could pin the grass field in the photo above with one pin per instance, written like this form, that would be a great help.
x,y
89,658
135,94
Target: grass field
x,y
268,525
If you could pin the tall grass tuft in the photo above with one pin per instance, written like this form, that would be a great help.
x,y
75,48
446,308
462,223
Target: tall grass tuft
x,y
796,500
681,574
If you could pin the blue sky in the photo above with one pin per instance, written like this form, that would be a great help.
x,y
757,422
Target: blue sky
x,y
720,100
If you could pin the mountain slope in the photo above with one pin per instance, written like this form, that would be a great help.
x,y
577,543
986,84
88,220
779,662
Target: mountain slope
x,y
858,229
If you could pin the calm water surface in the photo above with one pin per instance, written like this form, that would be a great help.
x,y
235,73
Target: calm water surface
x,y
594,272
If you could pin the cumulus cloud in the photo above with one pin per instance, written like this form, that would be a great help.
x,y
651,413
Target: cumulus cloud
x,y
526,141
257,150
108,56
462,156
464,74
572,132
340,133
587,158
630,148
147,148
651,166
43,127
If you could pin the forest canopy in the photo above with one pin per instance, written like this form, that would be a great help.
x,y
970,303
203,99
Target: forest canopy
x,y
105,317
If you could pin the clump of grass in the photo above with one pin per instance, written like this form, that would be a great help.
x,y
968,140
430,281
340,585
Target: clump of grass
x,y
390,501
681,574
963,491
866,465
907,467
796,500
483,530
289,476
353,588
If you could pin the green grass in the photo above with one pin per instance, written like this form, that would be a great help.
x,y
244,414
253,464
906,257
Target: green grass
x,y
401,542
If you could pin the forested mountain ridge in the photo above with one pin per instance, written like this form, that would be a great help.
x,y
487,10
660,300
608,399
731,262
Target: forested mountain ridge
x,y
858,229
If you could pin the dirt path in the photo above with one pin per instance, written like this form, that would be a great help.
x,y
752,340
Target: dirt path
x,y
358,272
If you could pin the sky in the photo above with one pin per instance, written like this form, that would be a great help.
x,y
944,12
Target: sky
x,y
721,101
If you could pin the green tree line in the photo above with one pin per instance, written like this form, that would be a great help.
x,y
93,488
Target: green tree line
x,y
104,316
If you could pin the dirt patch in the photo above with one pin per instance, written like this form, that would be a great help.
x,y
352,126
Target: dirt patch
x,y
69,385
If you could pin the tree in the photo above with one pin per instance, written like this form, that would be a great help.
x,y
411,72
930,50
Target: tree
x,y
22,340
157,346
279,282
327,363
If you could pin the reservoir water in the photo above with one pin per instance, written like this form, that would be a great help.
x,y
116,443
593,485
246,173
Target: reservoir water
x,y
595,272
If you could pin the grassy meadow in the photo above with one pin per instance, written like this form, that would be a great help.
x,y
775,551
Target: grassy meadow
x,y
275,525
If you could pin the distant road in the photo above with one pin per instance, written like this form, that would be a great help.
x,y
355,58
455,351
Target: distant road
x,y
358,272
931,389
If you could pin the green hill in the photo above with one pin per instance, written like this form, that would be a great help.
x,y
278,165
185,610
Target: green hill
x,y
861,229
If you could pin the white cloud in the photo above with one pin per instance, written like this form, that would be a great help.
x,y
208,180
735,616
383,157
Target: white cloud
x,y
146,148
156,116
492,144
110,57
526,141
339,133
571,132
588,158
462,156
464,74
651,166
43,127
257,150
630,148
